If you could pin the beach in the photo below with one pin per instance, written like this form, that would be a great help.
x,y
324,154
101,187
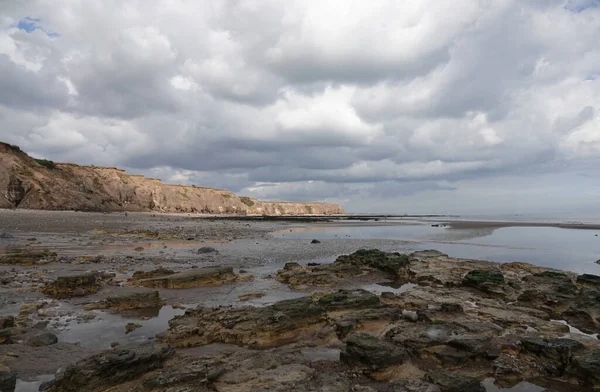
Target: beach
x,y
139,282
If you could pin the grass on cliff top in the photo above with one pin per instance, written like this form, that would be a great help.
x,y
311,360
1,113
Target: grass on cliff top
x,y
46,163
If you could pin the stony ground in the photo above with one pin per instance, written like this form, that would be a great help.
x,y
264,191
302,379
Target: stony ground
x,y
141,302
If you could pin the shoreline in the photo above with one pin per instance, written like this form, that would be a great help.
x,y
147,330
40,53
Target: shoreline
x,y
466,225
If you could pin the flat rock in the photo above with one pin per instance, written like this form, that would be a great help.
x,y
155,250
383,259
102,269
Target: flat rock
x,y
271,326
28,258
42,339
134,301
206,249
208,276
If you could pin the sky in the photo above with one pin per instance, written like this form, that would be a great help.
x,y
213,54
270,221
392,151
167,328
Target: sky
x,y
383,106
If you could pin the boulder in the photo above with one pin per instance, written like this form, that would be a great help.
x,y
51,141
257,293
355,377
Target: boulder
x,y
43,339
206,249
454,382
208,276
365,349
111,367
315,241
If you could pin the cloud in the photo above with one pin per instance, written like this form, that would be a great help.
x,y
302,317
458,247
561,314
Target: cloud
x,y
399,102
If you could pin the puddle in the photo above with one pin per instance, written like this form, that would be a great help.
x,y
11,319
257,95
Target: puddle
x,y
521,387
390,287
321,353
573,330
34,385
107,327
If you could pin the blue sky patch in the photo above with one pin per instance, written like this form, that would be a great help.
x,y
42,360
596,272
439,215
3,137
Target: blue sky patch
x,y
31,24
581,5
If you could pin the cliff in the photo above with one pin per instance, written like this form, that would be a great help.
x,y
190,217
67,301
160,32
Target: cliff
x,y
39,184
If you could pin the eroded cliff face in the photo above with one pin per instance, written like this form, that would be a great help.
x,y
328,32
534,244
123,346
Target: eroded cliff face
x,y
28,183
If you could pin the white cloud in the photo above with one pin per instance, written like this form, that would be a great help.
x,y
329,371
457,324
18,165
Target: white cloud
x,y
267,96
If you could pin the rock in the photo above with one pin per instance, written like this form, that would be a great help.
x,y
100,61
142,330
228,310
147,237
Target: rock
x,y
148,300
139,248
315,241
589,279
451,308
206,249
556,353
79,292
64,286
8,380
130,327
111,367
159,272
365,349
349,299
362,262
587,368
410,315
454,382
5,336
6,236
7,322
311,264
271,326
29,258
207,276
43,339
249,296
484,280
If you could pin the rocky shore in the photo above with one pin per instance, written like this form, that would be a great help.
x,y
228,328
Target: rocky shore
x,y
87,309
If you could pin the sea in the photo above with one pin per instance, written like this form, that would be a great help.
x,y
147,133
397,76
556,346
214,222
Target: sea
x,y
571,249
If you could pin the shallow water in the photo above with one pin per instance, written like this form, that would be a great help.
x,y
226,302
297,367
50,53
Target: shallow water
x,y
106,328
32,385
569,249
